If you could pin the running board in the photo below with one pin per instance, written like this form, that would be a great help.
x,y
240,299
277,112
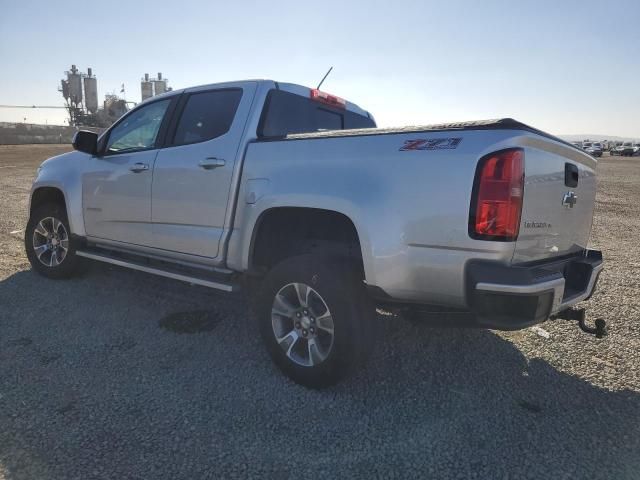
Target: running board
x,y
197,280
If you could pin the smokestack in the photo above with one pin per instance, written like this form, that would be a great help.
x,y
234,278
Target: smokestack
x,y
89,71
146,77
159,75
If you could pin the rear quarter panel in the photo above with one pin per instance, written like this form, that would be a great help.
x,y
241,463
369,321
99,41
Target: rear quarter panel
x,y
410,208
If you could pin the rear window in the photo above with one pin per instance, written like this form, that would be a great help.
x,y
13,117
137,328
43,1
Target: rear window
x,y
286,113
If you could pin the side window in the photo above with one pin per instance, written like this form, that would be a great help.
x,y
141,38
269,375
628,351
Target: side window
x,y
207,115
139,130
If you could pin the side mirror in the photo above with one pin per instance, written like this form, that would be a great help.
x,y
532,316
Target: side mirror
x,y
86,142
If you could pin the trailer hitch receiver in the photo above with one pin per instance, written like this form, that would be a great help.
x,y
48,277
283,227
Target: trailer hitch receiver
x,y
600,326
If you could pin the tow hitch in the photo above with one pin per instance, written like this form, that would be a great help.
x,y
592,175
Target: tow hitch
x,y
600,326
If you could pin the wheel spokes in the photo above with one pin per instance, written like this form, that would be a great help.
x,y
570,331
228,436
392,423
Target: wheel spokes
x,y
314,353
50,236
290,339
325,322
282,306
40,250
41,230
305,338
302,291
53,261
54,225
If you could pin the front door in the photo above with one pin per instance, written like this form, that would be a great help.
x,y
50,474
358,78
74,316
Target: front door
x,y
192,176
116,185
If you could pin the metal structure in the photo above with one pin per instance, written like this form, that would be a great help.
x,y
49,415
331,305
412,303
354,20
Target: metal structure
x,y
90,92
151,87
159,85
74,82
146,87
80,91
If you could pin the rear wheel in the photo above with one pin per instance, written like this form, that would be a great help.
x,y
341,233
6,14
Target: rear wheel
x,y
315,318
48,243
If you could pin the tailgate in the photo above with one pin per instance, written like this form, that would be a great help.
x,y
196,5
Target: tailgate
x,y
557,212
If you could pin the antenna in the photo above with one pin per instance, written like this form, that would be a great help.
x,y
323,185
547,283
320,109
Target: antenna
x,y
323,78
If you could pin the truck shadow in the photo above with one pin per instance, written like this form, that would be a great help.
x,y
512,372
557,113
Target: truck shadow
x,y
92,386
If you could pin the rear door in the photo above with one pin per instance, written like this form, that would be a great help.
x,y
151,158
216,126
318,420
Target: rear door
x,y
116,185
558,203
192,176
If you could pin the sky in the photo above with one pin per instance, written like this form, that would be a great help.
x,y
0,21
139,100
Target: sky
x,y
564,66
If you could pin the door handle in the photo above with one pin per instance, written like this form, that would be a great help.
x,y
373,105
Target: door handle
x,y
139,167
211,163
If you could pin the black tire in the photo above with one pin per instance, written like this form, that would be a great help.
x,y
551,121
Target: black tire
x,y
69,263
339,284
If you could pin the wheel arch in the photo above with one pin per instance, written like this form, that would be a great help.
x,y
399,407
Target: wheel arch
x,y
47,194
268,227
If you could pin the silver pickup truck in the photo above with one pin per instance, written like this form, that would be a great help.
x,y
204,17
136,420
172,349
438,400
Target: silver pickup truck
x,y
294,195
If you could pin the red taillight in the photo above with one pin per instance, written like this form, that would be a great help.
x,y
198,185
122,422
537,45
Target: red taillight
x,y
327,99
496,204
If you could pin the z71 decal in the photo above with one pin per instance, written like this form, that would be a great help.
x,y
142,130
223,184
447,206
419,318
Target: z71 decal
x,y
431,144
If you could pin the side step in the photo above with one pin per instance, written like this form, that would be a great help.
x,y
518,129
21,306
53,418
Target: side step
x,y
115,259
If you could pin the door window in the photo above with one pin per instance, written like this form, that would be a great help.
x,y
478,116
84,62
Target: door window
x,y
138,130
207,115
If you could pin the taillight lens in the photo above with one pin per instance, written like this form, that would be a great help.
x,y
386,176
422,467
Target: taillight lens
x,y
327,98
496,203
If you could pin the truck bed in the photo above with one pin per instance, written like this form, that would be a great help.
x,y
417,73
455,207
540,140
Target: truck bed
x,y
492,124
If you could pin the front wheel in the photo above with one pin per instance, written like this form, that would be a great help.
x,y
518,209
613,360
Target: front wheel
x,y
48,243
315,318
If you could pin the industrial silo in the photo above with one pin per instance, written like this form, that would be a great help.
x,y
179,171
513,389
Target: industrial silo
x,y
90,92
146,87
159,85
75,85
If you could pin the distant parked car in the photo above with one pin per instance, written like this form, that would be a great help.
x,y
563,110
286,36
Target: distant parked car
x,y
594,151
625,150
636,149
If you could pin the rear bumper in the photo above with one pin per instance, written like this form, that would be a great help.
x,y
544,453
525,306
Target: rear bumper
x,y
513,297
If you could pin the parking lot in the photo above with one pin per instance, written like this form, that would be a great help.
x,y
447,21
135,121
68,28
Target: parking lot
x,y
117,374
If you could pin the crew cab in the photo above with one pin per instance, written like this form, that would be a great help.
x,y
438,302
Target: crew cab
x,y
294,196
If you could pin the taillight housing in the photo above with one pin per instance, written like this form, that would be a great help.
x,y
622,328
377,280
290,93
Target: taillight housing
x,y
327,98
496,200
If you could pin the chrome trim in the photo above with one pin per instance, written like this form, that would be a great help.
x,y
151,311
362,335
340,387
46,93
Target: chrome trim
x,y
155,271
522,289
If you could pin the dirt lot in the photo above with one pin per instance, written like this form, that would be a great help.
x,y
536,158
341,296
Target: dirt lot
x,y
99,380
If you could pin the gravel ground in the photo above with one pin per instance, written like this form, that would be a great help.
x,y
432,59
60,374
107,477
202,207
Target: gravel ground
x,y
121,375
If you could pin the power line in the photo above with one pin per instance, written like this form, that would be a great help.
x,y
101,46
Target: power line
x,y
30,106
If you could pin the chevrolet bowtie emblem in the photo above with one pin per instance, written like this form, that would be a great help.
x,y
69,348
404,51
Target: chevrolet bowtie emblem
x,y
569,199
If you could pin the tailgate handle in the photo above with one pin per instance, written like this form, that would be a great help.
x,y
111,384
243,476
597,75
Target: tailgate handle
x,y
570,175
